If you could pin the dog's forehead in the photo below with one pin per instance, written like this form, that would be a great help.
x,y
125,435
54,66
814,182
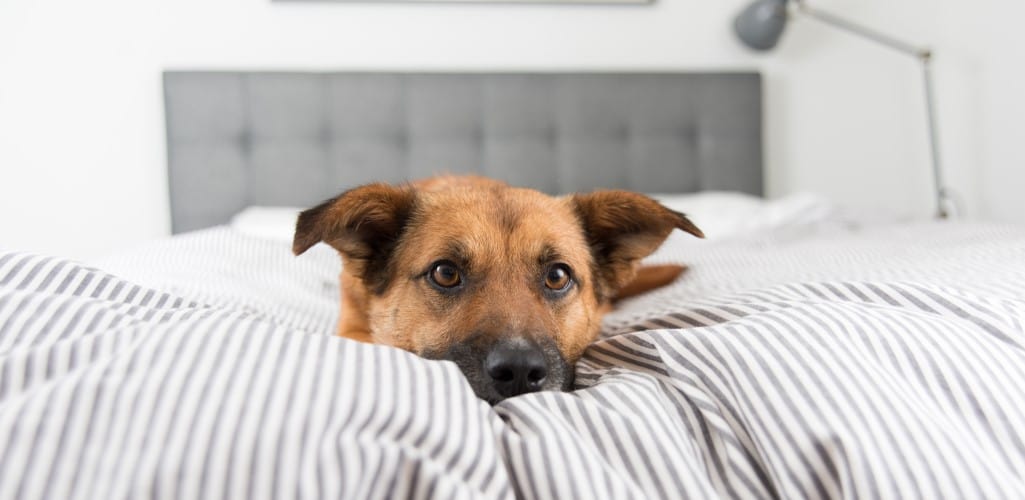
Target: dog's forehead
x,y
497,221
506,207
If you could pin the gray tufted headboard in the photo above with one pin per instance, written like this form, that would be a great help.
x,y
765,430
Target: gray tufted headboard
x,y
236,139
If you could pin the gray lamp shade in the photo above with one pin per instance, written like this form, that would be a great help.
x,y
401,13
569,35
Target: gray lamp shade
x,y
761,24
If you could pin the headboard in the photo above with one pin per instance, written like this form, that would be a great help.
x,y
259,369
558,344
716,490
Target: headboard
x,y
236,139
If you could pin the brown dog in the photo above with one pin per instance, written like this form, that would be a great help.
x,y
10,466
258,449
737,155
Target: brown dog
x,y
510,284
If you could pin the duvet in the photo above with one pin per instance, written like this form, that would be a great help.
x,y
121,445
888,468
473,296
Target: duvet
x,y
869,363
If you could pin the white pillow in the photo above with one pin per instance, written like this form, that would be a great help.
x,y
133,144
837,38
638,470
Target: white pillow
x,y
726,215
721,215
270,223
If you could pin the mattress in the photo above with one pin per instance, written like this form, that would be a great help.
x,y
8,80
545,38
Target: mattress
x,y
816,362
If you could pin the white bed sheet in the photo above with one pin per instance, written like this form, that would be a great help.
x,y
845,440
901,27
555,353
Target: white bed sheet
x,y
820,362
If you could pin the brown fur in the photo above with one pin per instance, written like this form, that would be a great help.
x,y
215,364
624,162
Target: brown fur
x,y
502,239
649,278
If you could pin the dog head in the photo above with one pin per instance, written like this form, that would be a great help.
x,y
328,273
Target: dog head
x,y
508,283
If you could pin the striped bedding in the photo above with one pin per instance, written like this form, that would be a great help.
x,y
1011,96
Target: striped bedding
x,y
875,363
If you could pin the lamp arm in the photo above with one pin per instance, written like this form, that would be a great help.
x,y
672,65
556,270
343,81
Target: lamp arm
x,y
944,202
862,31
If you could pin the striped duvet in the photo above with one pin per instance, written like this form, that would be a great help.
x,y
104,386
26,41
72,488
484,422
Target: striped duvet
x,y
883,363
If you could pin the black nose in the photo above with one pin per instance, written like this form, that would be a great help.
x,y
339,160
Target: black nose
x,y
516,367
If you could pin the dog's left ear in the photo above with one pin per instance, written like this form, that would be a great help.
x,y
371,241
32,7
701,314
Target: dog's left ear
x,y
622,228
363,224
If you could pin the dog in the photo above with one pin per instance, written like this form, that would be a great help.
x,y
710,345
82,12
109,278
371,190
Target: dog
x,y
508,283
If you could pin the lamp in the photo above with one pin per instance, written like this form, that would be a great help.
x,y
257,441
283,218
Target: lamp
x,y
761,24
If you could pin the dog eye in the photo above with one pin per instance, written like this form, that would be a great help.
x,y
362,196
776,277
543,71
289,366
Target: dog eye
x,y
557,278
445,275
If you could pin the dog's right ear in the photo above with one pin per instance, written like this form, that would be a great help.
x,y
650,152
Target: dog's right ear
x,y
363,224
622,228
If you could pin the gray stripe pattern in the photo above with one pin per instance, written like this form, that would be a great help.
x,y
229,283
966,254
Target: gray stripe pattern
x,y
888,363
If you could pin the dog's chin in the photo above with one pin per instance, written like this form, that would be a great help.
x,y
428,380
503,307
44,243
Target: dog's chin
x,y
488,393
469,357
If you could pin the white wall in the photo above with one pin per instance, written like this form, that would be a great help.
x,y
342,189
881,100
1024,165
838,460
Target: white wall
x,y
82,168
1002,137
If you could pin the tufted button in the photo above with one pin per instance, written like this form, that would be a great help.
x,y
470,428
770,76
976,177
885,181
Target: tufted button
x,y
245,140
549,136
688,133
401,140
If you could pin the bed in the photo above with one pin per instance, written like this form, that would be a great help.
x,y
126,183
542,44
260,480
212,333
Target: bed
x,y
803,355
